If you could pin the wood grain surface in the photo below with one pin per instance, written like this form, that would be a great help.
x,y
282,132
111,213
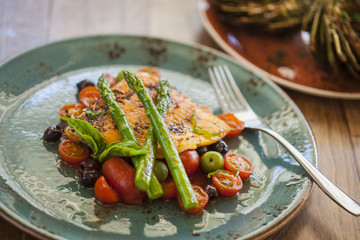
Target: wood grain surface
x,y
25,24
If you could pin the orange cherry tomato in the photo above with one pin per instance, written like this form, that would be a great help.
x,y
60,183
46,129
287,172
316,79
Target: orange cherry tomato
x,y
121,177
72,110
72,152
169,189
89,95
202,198
150,70
236,125
227,184
234,161
110,79
104,193
89,98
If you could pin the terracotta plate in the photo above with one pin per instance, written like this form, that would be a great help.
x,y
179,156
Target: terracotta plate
x,y
283,58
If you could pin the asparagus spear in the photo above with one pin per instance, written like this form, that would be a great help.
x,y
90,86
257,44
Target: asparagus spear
x,y
176,168
146,162
126,132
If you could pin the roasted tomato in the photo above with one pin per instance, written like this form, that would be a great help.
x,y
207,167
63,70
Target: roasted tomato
x,y
110,79
72,110
89,95
121,177
201,197
169,188
150,70
191,161
236,125
104,193
73,153
234,161
227,184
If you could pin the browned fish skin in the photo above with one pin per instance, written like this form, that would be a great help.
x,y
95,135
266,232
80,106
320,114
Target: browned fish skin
x,y
178,118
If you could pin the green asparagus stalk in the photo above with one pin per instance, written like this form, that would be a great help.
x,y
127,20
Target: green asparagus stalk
x,y
146,162
176,168
125,130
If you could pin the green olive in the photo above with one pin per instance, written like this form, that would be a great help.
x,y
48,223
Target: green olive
x,y
160,170
211,161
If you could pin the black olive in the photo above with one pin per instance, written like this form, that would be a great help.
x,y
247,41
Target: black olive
x,y
88,178
53,133
220,146
202,150
83,84
89,164
211,191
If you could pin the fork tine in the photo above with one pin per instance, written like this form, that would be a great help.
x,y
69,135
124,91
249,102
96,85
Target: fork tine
x,y
236,89
225,94
236,104
217,89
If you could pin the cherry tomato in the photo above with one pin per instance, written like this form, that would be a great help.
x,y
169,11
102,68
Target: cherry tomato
x,y
89,98
121,177
234,161
150,70
227,184
202,198
104,193
73,153
169,189
72,110
191,161
236,125
110,79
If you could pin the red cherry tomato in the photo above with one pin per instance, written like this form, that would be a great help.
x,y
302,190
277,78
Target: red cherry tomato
x,y
110,79
227,184
72,110
169,189
73,153
234,161
191,161
89,95
150,70
236,125
104,193
121,177
202,198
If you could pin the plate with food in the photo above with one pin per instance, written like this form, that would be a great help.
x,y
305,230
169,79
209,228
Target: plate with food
x,y
81,117
307,46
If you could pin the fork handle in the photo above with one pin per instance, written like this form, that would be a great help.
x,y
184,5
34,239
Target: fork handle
x,y
323,182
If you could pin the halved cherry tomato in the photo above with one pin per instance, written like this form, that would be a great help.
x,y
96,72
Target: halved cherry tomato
x,y
89,98
73,153
110,79
89,95
202,198
150,70
169,189
236,125
191,161
227,184
104,193
72,110
234,161
121,177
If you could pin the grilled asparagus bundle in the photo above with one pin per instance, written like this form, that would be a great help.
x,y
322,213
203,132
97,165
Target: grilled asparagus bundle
x,y
270,15
334,27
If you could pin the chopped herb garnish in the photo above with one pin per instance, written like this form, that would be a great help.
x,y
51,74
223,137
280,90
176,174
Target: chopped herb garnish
x,y
195,129
93,113
236,172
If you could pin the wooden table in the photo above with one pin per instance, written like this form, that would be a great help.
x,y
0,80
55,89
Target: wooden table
x,y
25,24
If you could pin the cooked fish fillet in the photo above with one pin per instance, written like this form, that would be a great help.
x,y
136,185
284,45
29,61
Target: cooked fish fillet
x,y
178,118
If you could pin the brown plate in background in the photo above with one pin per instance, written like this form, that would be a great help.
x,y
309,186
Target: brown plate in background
x,y
283,58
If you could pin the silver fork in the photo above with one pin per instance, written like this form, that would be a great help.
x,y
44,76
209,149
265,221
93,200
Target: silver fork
x,y
233,101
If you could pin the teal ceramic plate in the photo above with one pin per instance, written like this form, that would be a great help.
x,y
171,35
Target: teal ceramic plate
x,y
41,196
